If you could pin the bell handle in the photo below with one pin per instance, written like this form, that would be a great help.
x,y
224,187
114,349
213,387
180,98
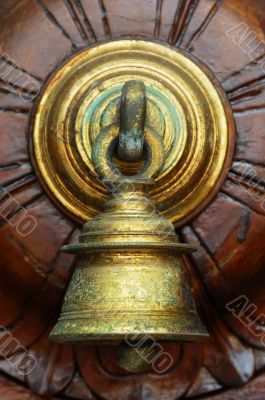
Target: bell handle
x,y
111,138
132,121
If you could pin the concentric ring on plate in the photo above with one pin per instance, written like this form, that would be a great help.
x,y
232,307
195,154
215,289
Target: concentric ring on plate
x,y
185,104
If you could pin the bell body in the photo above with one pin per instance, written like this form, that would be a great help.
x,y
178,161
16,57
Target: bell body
x,y
129,279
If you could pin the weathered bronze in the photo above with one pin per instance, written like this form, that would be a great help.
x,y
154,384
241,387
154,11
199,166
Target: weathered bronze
x,y
132,121
129,280
184,105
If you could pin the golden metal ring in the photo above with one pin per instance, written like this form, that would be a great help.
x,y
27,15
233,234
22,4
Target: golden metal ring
x,y
104,147
185,104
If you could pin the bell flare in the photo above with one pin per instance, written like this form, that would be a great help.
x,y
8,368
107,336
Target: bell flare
x,y
128,294
130,280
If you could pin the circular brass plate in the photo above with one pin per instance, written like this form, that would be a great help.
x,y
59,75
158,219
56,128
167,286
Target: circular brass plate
x,y
185,105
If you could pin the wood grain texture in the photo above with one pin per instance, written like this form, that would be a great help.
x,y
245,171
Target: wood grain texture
x,y
35,38
9,390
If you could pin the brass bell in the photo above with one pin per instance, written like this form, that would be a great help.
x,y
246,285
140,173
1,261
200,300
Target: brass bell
x,y
129,280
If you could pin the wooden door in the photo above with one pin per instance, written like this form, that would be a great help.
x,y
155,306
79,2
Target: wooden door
x,y
227,271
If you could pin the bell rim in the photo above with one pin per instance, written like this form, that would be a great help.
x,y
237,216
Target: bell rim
x,y
183,325
116,338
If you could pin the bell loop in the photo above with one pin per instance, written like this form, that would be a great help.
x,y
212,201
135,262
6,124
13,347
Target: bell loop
x,y
132,121
132,138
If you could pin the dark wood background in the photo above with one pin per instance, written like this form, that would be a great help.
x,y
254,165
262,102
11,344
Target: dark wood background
x,y
36,37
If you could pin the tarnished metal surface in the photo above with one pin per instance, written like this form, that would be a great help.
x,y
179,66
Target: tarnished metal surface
x,y
129,280
183,104
132,121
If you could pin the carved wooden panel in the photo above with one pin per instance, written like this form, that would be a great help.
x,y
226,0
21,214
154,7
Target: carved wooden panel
x,y
227,271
